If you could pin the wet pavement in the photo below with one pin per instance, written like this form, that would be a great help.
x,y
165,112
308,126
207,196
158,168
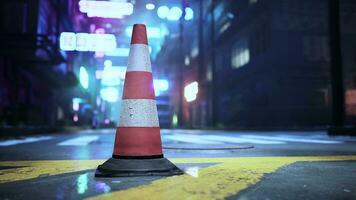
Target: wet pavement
x,y
217,165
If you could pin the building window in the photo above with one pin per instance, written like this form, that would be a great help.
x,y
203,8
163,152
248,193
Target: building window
x,y
355,54
258,40
316,48
253,1
350,102
240,54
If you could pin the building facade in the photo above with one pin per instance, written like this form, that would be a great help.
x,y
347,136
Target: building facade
x,y
262,63
36,77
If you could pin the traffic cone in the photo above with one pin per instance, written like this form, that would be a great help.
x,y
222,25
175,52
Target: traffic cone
x,y
138,147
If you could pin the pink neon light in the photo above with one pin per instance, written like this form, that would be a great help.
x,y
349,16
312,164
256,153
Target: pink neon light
x,y
105,9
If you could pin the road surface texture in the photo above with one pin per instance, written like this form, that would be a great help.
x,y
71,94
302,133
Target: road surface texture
x,y
217,164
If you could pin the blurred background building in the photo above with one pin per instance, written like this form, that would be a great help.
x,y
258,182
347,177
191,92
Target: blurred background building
x,y
36,78
216,63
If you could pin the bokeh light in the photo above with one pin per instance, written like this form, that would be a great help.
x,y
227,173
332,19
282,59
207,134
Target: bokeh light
x,y
189,14
150,6
163,12
174,14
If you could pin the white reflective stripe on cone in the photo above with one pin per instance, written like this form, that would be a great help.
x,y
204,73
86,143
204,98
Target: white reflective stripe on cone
x,y
139,58
138,113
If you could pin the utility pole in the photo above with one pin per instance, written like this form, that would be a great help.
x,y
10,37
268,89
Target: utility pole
x,y
213,86
336,73
201,58
180,66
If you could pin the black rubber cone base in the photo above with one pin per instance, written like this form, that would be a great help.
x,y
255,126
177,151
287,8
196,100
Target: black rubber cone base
x,y
118,167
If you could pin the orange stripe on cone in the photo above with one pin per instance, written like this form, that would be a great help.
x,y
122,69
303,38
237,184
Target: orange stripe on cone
x,y
138,141
138,85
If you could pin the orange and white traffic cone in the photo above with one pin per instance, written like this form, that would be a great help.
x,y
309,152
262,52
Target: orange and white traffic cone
x,y
138,147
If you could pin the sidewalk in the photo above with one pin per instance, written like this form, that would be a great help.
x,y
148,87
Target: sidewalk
x,y
11,131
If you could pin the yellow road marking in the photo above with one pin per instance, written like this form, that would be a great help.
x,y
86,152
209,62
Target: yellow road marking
x,y
215,182
36,169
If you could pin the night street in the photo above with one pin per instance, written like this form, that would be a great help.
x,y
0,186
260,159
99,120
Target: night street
x,y
178,99
264,165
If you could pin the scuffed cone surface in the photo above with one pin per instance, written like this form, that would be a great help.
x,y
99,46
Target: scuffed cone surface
x,y
138,113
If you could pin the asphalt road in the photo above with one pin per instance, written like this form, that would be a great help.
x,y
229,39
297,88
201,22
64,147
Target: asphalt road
x,y
217,165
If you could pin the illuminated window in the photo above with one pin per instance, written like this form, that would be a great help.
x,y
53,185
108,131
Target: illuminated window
x,y
316,48
350,102
240,54
191,91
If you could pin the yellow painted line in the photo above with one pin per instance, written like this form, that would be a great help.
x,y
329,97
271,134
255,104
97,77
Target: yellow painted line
x,y
36,169
228,177
215,182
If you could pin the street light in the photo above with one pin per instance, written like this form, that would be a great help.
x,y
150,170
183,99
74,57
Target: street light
x,y
162,12
189,14
150,6
174,14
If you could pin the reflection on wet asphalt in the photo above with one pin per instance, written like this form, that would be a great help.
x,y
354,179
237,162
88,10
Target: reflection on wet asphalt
x,y
80,184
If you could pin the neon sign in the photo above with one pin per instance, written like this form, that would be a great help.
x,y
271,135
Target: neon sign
x,y
70,41
105,9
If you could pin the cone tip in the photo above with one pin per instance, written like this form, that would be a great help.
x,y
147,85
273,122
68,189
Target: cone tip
x,y
140,25
139,35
